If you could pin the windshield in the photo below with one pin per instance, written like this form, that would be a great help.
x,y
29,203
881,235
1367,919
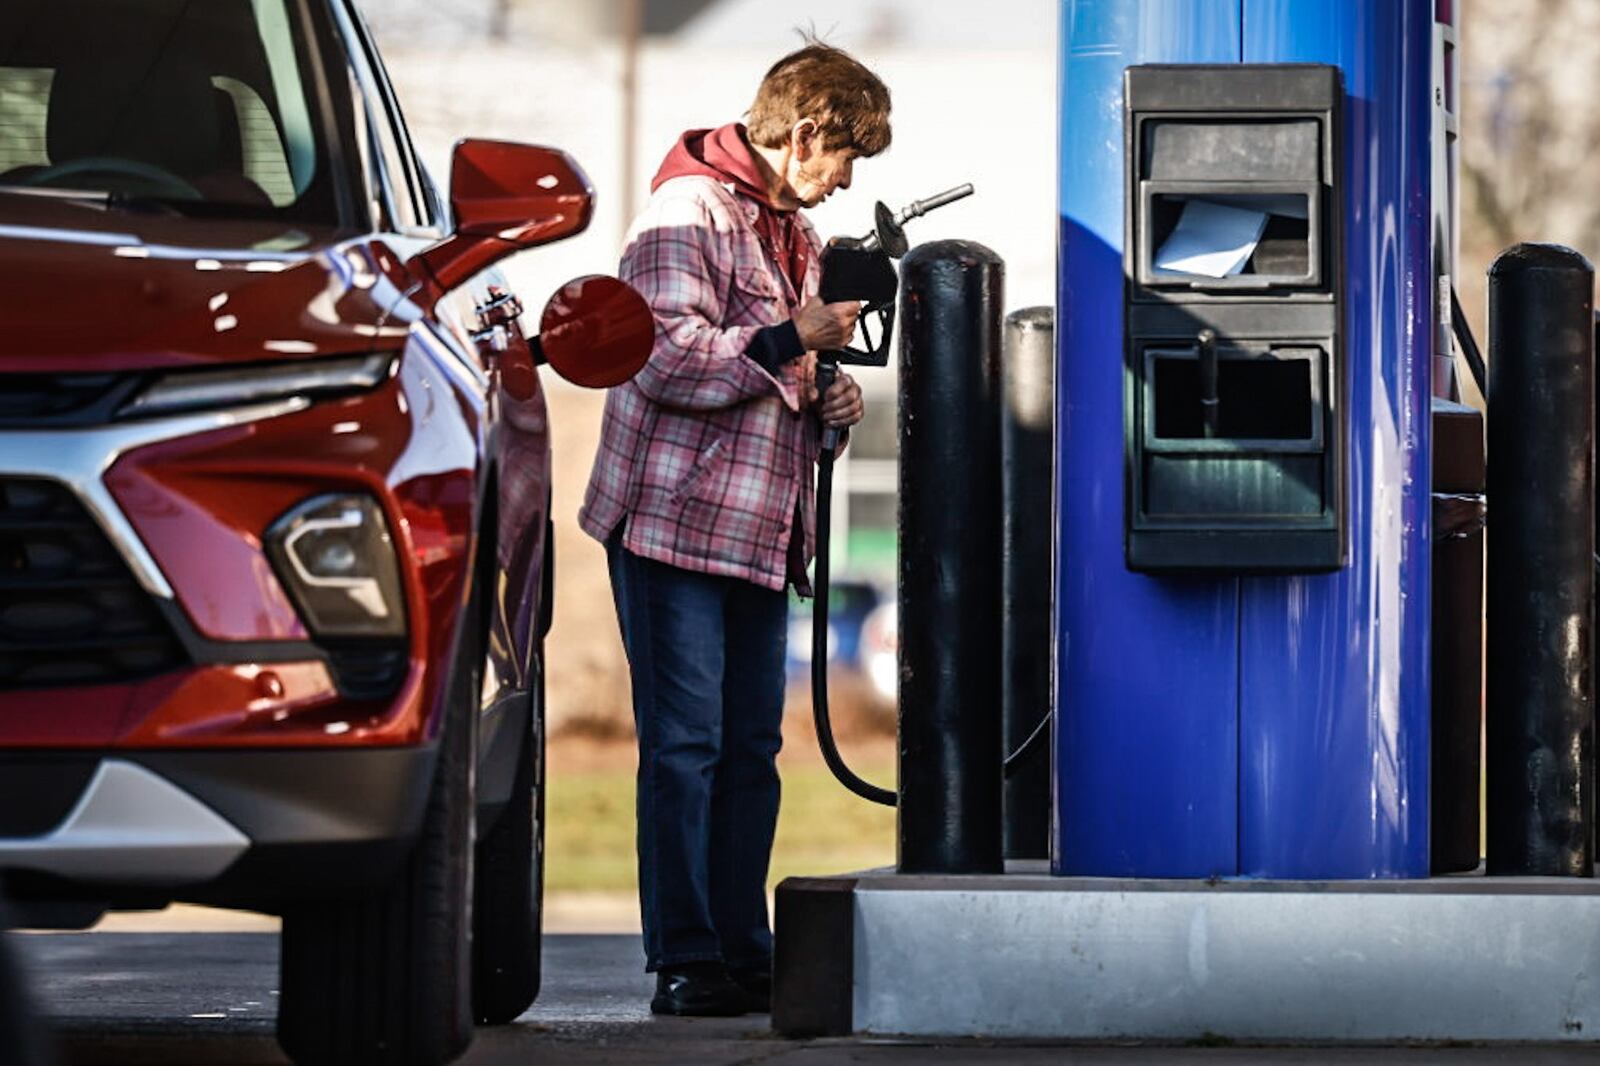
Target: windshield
x,y
201,105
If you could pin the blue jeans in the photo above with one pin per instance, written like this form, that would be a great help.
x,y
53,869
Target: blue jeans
x,y
707,658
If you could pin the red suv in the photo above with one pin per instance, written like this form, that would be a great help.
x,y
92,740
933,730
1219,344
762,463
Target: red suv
x,y
275,561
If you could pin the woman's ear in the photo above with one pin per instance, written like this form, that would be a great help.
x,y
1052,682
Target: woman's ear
x,y
803,138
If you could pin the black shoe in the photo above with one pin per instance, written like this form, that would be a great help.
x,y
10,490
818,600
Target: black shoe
x,y
756,984
698,990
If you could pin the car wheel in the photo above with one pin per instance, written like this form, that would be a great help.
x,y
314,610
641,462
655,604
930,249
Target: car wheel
x,y
508,894
387,979
22,1038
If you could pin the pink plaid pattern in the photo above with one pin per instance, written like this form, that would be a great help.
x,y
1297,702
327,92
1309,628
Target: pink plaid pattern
x,y
704,455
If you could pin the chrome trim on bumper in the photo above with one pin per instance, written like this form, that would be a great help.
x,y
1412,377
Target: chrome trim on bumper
x,y
131,827
79,459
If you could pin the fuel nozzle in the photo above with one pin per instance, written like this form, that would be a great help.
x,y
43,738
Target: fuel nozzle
x,y
887,229
862,269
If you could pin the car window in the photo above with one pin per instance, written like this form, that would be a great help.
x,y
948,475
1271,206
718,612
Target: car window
x,y
24,104
416,180
366,152
407,214
261,151
203,106
398,175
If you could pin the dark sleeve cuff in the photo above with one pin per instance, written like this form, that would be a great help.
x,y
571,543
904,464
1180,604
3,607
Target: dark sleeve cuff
x,y
772,346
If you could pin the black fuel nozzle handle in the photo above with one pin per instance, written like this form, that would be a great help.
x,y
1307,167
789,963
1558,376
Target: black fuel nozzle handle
x,y
827,373
862,269
866,276
1210,405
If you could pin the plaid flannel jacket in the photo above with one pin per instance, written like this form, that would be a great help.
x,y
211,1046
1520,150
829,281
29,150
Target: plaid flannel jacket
x,y
704,457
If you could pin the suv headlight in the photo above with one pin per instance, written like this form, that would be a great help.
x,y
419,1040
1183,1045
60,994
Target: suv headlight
x,y
335,556
188,390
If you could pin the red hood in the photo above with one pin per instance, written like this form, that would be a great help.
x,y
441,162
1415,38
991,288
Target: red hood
x,y
111,290
722,153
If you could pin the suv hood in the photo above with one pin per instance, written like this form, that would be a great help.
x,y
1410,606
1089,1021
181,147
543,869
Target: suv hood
x,y
105,289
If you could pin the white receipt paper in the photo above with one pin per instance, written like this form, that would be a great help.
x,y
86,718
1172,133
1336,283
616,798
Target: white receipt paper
x,y
1212,240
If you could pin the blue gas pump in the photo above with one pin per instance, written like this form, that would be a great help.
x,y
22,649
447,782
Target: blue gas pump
x,y
1268,567
1243,500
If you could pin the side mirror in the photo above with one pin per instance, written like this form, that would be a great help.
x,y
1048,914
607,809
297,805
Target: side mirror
x,y
596,331
506,197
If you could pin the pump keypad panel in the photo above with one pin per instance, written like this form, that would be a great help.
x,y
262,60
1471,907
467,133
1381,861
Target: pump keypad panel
x,y
1233,423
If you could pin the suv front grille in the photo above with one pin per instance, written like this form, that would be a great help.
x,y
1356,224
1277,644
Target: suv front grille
x,y
30,400
37,792
70,611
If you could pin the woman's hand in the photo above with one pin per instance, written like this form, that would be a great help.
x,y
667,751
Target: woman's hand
x,y
842,407
826,327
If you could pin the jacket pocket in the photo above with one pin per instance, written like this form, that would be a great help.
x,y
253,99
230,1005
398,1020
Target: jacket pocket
x,y
711,458
754,299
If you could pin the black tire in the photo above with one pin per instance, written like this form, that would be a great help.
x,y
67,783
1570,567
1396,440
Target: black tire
x,y
508,894
386,980
23,1040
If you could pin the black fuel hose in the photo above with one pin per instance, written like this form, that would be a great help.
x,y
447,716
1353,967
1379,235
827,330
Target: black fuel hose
x,y
819,663
819,647
1469,345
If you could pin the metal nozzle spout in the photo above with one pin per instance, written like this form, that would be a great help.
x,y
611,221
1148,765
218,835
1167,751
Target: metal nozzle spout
x,y
919,208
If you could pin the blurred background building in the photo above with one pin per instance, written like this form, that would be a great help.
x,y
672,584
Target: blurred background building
x,y
615,81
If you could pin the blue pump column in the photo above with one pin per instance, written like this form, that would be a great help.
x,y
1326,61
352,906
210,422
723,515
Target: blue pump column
x,y
1249,726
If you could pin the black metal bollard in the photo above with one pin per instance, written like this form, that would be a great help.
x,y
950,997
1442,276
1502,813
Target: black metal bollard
x,y
1540,712
1594,651
1027,451
950,520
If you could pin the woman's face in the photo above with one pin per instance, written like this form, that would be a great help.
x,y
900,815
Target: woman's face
x,y
815,178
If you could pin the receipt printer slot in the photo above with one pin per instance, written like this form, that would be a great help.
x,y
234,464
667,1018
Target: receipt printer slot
x,y
1230,236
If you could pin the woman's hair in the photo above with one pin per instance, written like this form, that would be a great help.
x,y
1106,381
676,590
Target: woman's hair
x,y
825,84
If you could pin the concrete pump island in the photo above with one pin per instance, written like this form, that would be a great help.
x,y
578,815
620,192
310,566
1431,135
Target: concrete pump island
x,y
1192,685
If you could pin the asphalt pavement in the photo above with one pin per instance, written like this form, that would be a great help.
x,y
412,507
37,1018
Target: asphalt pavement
x,y
198,999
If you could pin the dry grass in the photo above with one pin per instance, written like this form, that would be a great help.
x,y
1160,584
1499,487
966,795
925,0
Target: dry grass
x,y
822,829
588,676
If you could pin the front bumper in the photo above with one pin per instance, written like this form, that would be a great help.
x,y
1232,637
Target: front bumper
x,y
254,829
249,763
145,602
